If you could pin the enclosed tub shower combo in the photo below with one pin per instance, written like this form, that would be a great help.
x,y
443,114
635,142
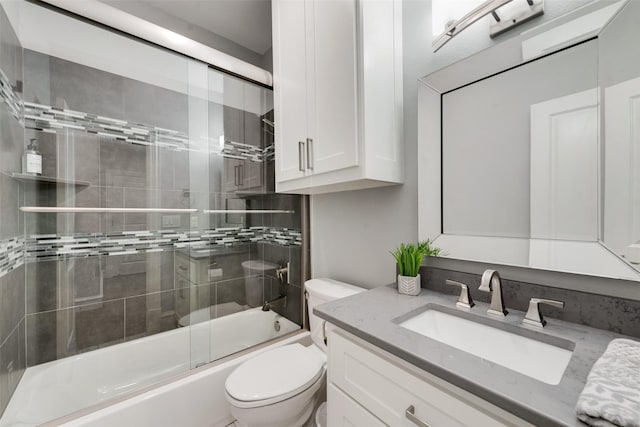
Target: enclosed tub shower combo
x,y
140,235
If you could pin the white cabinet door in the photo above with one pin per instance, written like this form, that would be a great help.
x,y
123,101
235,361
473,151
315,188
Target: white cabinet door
x,y
290,86
332,73
346,412
390,392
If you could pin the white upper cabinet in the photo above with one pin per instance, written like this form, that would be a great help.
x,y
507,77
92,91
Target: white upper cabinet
x,y
338,94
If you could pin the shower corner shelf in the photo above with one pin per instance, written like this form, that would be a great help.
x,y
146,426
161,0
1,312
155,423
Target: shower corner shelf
x,y
47,180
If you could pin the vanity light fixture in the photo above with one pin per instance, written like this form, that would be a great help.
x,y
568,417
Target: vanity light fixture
x,y
523,12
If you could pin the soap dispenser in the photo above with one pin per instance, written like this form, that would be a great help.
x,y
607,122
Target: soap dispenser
x,y
32,160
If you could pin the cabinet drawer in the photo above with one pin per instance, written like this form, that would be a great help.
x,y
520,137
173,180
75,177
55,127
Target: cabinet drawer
x,y
196,271
387,389
347,412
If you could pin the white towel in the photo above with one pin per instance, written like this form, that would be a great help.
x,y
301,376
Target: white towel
x,y
611,396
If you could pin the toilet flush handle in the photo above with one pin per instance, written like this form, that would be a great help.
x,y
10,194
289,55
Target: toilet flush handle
x,y
324,331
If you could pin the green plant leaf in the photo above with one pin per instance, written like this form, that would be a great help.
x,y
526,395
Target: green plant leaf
x,y
409,256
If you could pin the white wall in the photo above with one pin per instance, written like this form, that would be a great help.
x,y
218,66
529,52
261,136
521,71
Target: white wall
x,y
354,231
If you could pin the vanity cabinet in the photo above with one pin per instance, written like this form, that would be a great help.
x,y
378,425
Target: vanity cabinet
x,y
191,275
337,94
368,386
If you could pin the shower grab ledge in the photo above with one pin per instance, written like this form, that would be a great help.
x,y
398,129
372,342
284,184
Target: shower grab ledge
x,y
47,209
23,177
38,209
248,211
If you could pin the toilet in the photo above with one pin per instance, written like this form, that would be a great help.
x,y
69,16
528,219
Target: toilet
x,y
254,271
282,387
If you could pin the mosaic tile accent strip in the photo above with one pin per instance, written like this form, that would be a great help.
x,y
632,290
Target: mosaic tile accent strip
x,y
50,119
11,254
10,97
47,246
238,150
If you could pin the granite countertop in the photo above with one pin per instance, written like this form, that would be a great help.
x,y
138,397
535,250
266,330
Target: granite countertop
x,y
206,252
374,315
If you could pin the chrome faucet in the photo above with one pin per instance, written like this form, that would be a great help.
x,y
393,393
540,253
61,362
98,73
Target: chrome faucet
x,y
268,304
281,272
533,316
491,283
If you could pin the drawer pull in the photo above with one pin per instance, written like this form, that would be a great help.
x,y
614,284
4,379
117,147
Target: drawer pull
x,y
411,415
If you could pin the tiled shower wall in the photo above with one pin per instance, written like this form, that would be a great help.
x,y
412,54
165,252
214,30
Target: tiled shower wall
x,y
94,280
12,270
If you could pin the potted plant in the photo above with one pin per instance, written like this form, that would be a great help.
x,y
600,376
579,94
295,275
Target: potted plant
x,y
409,258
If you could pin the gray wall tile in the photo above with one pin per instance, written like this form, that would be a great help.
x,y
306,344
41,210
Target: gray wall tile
x,y
56,334
230,291
10,191
11,51
295,265
12,364
12,301
153,105
145,315
85,89
276,254
11,141
37,80
42,286
123,165
291,306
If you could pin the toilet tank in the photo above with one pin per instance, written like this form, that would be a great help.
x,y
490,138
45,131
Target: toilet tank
x,y
318,292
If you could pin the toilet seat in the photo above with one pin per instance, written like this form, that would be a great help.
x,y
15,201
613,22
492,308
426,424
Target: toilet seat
x,y
275,375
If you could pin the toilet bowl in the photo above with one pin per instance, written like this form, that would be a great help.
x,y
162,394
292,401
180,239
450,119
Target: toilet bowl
x,y
283,386
254,271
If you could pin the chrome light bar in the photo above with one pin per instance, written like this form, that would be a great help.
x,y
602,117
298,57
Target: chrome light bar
x,y
536,8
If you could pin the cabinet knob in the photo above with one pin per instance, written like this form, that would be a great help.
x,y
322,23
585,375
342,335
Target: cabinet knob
x,y
410,413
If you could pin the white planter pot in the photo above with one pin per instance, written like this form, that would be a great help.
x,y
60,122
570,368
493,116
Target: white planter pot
x,y
409,285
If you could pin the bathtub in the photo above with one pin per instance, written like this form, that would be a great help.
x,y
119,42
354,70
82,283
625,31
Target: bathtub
x,y
55,389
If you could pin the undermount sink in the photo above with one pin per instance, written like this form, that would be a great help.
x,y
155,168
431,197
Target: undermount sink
x,y
544,357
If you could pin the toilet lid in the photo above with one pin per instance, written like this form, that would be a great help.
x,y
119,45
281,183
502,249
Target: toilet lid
x,y
259,265
282,372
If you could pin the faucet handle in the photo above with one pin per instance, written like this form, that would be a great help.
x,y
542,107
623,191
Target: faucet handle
x,y
533,316
464,300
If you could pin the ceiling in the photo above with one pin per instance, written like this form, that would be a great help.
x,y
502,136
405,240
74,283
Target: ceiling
x,y
245,22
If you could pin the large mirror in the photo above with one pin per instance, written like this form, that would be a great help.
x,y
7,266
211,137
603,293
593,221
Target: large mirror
x,y
534,160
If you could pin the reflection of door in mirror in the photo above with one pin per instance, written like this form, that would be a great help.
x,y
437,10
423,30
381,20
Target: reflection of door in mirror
x,y
622,169
564,168
487,167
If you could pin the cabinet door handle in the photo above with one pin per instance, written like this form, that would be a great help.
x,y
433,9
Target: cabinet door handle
x,y
235,175
410,413
241,174
309,153
301,156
